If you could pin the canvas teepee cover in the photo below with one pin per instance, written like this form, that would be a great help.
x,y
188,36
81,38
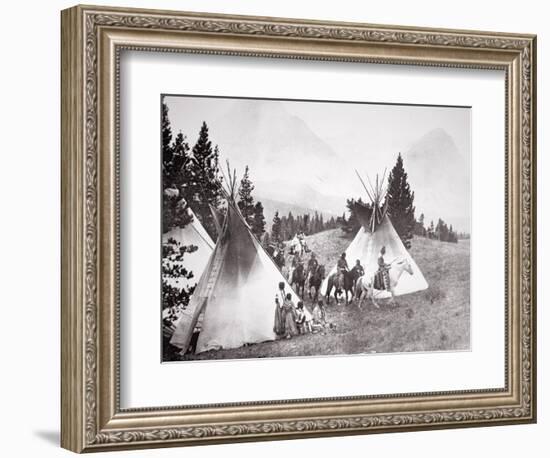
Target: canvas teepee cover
x,y
192,234
375,232
236,292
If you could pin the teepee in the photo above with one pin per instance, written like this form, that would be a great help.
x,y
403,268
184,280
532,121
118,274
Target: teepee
x,y
192,234
235,297
375,232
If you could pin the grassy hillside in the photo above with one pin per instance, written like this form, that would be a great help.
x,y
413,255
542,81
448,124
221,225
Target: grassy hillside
x,y
432,320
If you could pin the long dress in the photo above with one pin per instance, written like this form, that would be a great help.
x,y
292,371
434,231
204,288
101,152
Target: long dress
x,y
289,313
279,321
382,280
279,318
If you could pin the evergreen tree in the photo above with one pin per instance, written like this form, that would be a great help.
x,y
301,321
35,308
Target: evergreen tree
x,y
291,223
173,254
276,228
246,201
166,131
453,236
400,200
419,228
204,180
266,240
352,224
175,159
258,220
431,230
305,227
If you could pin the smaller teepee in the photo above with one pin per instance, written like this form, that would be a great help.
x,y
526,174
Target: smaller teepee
x,y
235,297
195,235
375,232
192,234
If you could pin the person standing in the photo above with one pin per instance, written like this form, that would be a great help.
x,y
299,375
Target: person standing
x,y
383,272
279,319
289,313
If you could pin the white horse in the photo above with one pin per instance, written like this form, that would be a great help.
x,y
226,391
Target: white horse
x,y
365,285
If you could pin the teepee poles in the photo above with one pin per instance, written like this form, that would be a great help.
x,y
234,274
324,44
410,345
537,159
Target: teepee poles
x,y
363,183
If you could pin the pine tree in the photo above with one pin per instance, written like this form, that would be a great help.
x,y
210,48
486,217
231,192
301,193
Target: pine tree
x,y
204,180
351,225
258,220
291,223
453,236
266,240
246,201
166,131
431,230
419,228
175,157
276,228
400,200
173,253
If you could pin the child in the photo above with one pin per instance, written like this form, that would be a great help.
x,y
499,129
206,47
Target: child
x,y
302,320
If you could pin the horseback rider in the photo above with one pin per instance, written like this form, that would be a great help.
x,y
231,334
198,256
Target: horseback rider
x,y
312,265
383,272
342,266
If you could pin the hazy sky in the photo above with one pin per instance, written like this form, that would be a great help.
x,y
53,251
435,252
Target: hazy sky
x,y
321,143
349,128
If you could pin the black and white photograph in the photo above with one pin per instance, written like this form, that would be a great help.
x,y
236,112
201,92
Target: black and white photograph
x,y
298,228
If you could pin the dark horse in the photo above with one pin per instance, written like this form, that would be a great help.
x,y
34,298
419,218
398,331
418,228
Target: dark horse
x,y
299,278
315,281
345,286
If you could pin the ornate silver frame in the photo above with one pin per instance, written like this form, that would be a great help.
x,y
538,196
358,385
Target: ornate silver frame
x,y
92,38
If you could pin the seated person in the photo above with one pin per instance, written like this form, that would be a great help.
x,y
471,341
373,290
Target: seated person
x,y
319,319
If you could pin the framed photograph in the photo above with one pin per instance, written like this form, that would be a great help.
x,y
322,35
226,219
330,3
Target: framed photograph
x,y
277,228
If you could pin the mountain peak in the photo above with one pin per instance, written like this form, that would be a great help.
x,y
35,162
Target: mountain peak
x,y
435,141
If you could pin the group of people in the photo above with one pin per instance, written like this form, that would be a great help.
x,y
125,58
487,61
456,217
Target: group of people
x,y
294,319
381,277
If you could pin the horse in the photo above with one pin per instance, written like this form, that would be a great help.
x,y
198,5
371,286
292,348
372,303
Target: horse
x,y
315,281
365,285
343,283
299,278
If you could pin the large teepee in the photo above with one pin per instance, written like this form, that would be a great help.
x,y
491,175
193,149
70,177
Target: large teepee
x,y
376,231
235,297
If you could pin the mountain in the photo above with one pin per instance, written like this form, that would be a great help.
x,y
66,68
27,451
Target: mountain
x,y
277,146
290,165
439,175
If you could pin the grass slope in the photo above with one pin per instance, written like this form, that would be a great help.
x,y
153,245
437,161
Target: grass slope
x,y
436,319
